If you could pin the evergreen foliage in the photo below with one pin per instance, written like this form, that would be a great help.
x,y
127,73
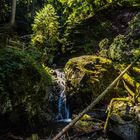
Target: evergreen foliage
x,y
46,27
124,47
46,32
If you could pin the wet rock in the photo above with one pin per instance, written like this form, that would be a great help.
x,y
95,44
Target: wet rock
x,y
124,120
128,131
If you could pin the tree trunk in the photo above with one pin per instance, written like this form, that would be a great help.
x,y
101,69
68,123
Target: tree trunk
x,y
13,15
33,9
101,96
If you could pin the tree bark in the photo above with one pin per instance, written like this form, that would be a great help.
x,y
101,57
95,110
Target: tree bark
x,y
136,70
101,96
13,13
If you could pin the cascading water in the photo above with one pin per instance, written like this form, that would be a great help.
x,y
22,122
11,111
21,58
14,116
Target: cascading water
x,y
63,114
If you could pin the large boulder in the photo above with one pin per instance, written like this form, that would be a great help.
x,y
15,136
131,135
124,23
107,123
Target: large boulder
x,y
124,119
87,76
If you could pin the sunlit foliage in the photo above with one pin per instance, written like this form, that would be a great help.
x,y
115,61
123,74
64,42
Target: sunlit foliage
x,y
46,27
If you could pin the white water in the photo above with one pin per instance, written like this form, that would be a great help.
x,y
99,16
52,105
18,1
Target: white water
x,y
63,114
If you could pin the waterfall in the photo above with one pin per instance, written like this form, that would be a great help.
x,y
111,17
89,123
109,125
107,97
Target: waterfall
x,y
63,114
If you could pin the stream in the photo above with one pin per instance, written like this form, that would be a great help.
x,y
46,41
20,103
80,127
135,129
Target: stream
x,y
63,114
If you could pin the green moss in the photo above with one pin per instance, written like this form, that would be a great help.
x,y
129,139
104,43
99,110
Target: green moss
x,y
131,81
86,117
136,69
83,124
87,76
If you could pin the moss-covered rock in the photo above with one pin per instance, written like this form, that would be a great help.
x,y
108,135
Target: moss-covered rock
x,y
87,76
86,124
124,119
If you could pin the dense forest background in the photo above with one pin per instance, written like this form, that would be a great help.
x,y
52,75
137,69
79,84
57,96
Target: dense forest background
x,y
92,41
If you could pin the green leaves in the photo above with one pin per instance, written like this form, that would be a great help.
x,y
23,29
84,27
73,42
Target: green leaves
x,y
117,48
124,48
55,24
46,27
23,82
46,32
136,52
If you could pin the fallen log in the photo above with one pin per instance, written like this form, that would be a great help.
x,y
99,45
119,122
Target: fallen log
x,y
101,96
128,79
136,70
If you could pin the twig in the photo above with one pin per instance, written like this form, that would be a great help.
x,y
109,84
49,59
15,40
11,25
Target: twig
x,y
51,134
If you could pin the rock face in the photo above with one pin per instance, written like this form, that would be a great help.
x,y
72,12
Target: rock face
x,y
124,120
87,76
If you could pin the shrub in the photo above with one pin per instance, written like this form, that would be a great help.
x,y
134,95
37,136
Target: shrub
x,y
23,83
